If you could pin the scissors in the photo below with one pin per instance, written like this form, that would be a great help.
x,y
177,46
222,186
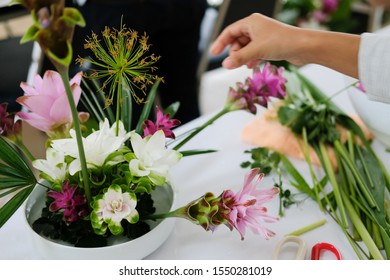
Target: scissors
x,y
301,248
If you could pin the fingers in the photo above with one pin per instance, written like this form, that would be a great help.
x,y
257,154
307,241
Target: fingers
x,y
236,32
238,56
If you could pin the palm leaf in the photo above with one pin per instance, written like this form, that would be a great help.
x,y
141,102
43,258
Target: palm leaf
x,y
15,177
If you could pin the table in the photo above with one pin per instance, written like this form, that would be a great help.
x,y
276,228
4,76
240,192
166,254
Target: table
x,y
195,175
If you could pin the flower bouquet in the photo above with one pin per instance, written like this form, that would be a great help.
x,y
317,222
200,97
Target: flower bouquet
x,y
353,184
99,174
319,14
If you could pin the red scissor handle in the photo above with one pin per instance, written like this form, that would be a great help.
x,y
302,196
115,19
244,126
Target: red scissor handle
x,y
316,250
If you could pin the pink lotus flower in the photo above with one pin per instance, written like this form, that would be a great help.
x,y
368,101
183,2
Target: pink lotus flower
x,y
163,122
246,208
74,206
48,104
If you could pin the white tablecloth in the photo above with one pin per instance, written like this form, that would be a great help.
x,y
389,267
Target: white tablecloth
x,y
195,175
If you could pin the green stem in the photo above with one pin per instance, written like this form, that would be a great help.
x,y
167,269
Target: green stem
x,y
77,128
160,216
308,228
332,179
200,128
25,151
118,106
365,235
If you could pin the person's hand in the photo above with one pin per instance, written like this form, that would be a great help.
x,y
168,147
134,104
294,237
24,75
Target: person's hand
x,y
256,38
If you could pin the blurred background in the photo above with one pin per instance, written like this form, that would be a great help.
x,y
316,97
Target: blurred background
x,y
21,62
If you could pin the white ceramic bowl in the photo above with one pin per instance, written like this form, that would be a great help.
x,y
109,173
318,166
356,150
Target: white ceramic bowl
x,y
374,114
137,249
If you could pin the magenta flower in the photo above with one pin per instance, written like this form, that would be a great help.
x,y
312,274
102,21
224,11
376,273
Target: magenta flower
x,y
47,103
74,206
246,208
360,87
163,122
258,89
8,127
329,6
267,83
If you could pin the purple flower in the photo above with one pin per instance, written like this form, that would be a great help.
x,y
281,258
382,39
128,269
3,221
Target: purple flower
x,y
329,6
360,87
267,83
8,127
258,89
163,122
243,210
246,210
74,205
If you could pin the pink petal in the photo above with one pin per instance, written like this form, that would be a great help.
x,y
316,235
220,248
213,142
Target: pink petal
x,y
36,121
28,90
52,84
38,104
60,110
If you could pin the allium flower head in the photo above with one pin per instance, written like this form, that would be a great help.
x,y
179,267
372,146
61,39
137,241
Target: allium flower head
x,y
163,122
73,205
122,61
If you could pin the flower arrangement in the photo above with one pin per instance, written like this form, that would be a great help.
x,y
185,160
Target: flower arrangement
x,y
99,173
319,14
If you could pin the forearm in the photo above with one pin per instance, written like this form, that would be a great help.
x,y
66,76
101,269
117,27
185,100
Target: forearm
x,y
338,51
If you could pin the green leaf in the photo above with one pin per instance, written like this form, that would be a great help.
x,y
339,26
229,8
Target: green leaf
x,y
64,61
73,16
13,159
15,175
30,35
147,107
300,182
127,107
172,109
196,152
12,205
